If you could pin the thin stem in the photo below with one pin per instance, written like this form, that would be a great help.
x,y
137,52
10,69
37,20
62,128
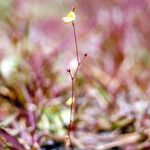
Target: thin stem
x,y
78,66
76,71
71,76
76,43
73,82
71,111
73,101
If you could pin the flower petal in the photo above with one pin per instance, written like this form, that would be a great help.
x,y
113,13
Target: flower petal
x,y
70,17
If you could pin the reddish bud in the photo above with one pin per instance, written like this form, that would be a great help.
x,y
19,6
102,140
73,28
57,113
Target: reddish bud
x,y
73,9
15,37
68,70
85,54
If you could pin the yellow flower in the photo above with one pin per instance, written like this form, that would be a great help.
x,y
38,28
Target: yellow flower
x,y
70,17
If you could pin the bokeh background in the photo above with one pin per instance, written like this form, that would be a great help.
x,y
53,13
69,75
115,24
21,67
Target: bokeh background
x,y
113,88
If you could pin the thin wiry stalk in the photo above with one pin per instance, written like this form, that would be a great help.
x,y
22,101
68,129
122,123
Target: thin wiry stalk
x,y
76,43
73,82
71,112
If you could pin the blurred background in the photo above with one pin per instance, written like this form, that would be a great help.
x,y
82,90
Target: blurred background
x,y
113,88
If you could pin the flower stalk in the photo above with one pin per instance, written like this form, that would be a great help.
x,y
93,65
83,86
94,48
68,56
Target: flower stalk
x,y
71,18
